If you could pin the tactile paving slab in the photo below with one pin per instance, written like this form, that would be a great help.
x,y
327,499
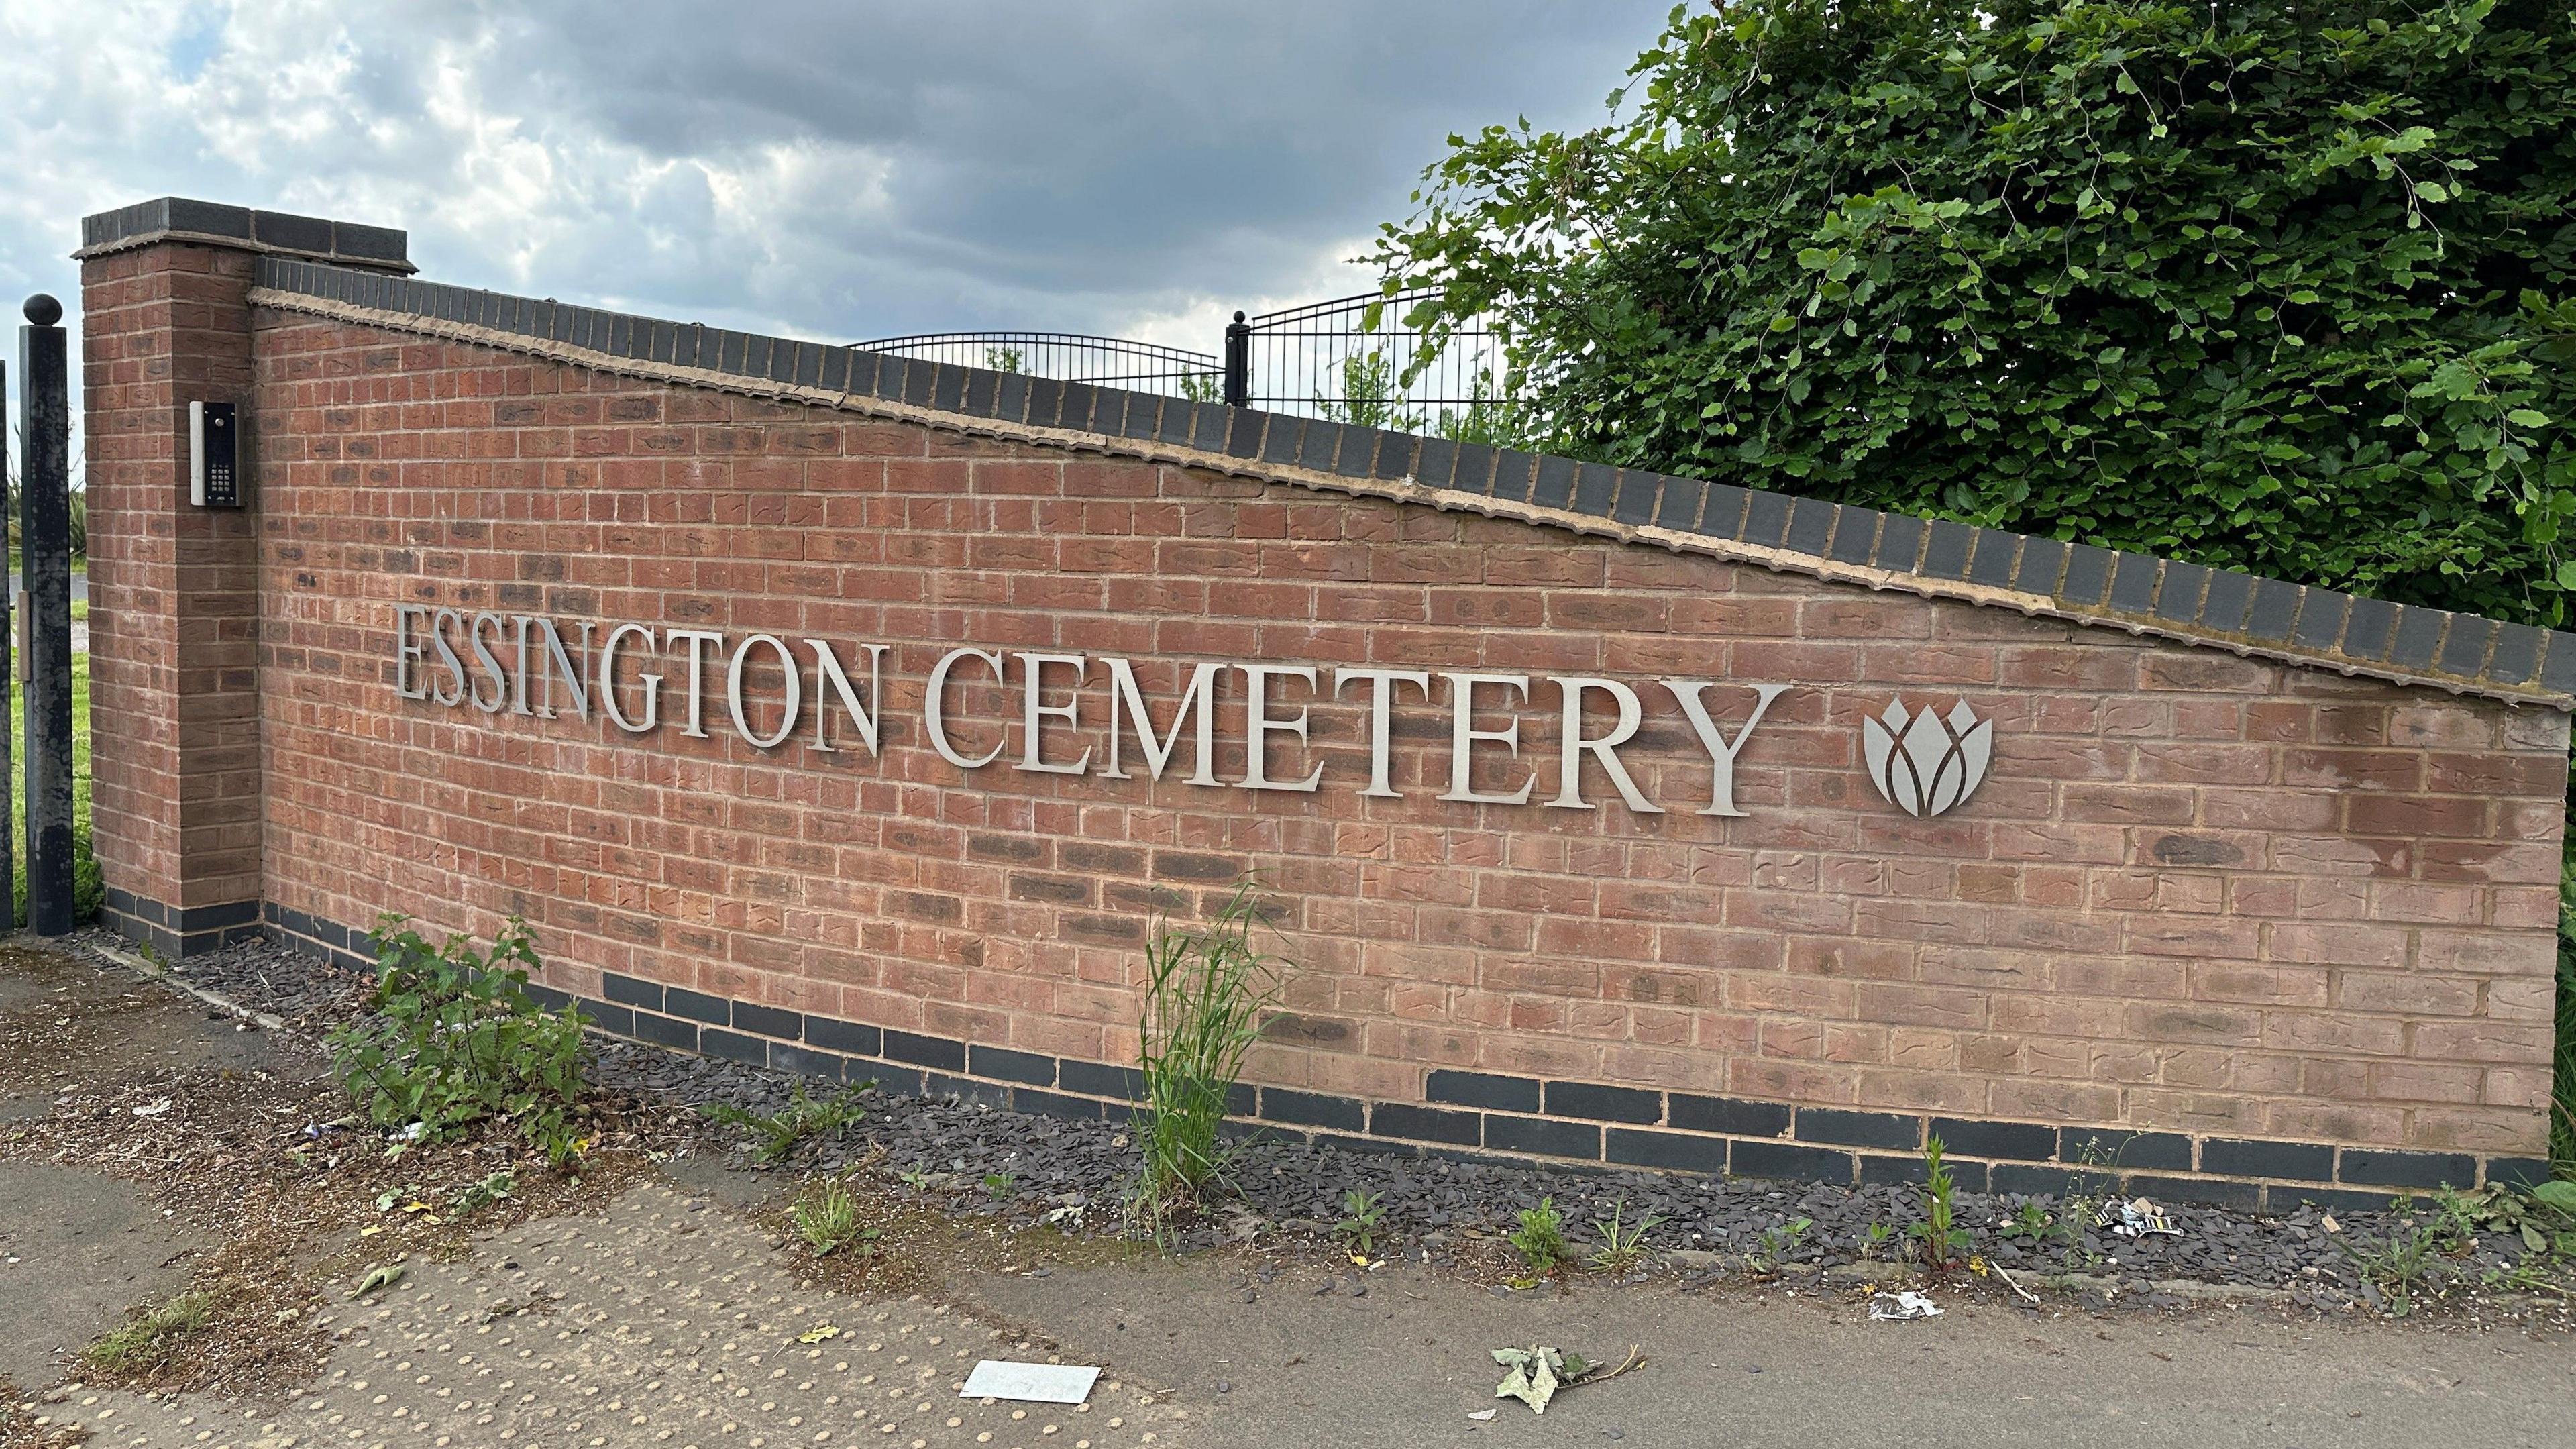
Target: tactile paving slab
x,y
656,1324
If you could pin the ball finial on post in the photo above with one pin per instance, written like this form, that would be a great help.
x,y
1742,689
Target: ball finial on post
x,y
43,310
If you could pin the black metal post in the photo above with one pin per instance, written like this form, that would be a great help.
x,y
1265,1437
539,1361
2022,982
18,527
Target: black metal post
x,y
1238,363
45,550
8,815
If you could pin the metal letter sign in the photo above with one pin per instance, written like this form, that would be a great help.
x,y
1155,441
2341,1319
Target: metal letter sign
x,y
1923,763
1926,765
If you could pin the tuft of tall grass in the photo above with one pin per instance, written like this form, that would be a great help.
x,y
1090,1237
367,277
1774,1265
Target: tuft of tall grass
x,y
1205,991
150,1338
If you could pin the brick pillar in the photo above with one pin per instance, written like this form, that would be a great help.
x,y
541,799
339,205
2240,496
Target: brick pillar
x,y
174,588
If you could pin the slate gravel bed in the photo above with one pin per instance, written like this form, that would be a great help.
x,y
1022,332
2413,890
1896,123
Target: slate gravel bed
x,y
1040,1165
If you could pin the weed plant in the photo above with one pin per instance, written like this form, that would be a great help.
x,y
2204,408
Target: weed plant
x,y
1943,1242
1541,1237
455,1039
804,1119
1781,1241
826,1216
1361,1214
1206,988
151,1338
1623,1246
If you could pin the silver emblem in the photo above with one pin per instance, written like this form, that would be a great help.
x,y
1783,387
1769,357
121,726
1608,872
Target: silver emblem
x,y
1926,764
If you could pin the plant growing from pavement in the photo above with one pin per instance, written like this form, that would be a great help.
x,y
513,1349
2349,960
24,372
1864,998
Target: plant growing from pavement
x,y
804,1119
455,1039
1942,1241
1623,1245
151,1338
826,1216
1783,1240
1541,1236
1361,1214
1205,990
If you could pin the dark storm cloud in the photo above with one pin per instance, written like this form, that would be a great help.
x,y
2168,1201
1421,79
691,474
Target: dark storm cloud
x,y
835,170
1085,159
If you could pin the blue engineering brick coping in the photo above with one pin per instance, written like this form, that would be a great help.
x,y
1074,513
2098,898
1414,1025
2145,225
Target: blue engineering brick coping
x,y
1491,1117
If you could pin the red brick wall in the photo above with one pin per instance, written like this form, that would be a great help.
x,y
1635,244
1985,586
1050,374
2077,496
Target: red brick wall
x,y
2197,892
176,792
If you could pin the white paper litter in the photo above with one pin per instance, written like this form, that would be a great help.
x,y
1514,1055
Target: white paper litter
x,y
1029,1383
1898,1307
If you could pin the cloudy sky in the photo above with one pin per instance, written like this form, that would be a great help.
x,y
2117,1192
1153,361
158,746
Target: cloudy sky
x,y
829,170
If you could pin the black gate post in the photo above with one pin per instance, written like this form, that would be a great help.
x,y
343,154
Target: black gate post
x,y
8,815
45,548
1238,363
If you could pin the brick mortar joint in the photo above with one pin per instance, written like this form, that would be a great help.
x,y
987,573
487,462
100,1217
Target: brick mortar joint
x,y
1778,560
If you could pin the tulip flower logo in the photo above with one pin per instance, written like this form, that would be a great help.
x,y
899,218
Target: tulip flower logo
x,y
1926,764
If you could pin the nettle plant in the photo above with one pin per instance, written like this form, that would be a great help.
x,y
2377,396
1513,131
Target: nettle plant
x,y
456,1040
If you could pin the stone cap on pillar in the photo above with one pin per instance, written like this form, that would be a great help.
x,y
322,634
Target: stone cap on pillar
x,y
211,223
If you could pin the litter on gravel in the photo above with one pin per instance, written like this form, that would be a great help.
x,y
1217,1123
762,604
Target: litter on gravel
x,y
2135,1218
1029,1383
1901,1307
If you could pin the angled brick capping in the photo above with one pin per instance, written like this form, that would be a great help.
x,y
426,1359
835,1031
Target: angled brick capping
x,y
2257,898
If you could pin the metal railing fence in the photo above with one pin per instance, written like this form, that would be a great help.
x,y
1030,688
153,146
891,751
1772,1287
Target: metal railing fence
x,y
1356,359
1352,359
1070,357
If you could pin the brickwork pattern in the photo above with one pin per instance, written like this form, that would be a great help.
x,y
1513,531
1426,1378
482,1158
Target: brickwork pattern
x,y
174,593
2198,894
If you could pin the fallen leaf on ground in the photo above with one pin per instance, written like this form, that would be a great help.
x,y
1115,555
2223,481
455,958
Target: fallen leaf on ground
x,y
1530,1375
818,1333
383,1275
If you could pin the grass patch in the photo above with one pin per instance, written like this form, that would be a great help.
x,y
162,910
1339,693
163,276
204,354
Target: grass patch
x,y
87,891
827,1218
151,1338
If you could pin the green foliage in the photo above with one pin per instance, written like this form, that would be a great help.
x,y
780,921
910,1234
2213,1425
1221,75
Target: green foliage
x,y
2029,1226
1201,387
1784,1240
151,1338
1361,1214
2399,1268
455,1039
1874,1240
1370,397
1205,990
1005,359
826,1216
804,1118
1623,1245
492,1188
1491,417
2278,286
1942,1241
2544,1217
1541,1236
